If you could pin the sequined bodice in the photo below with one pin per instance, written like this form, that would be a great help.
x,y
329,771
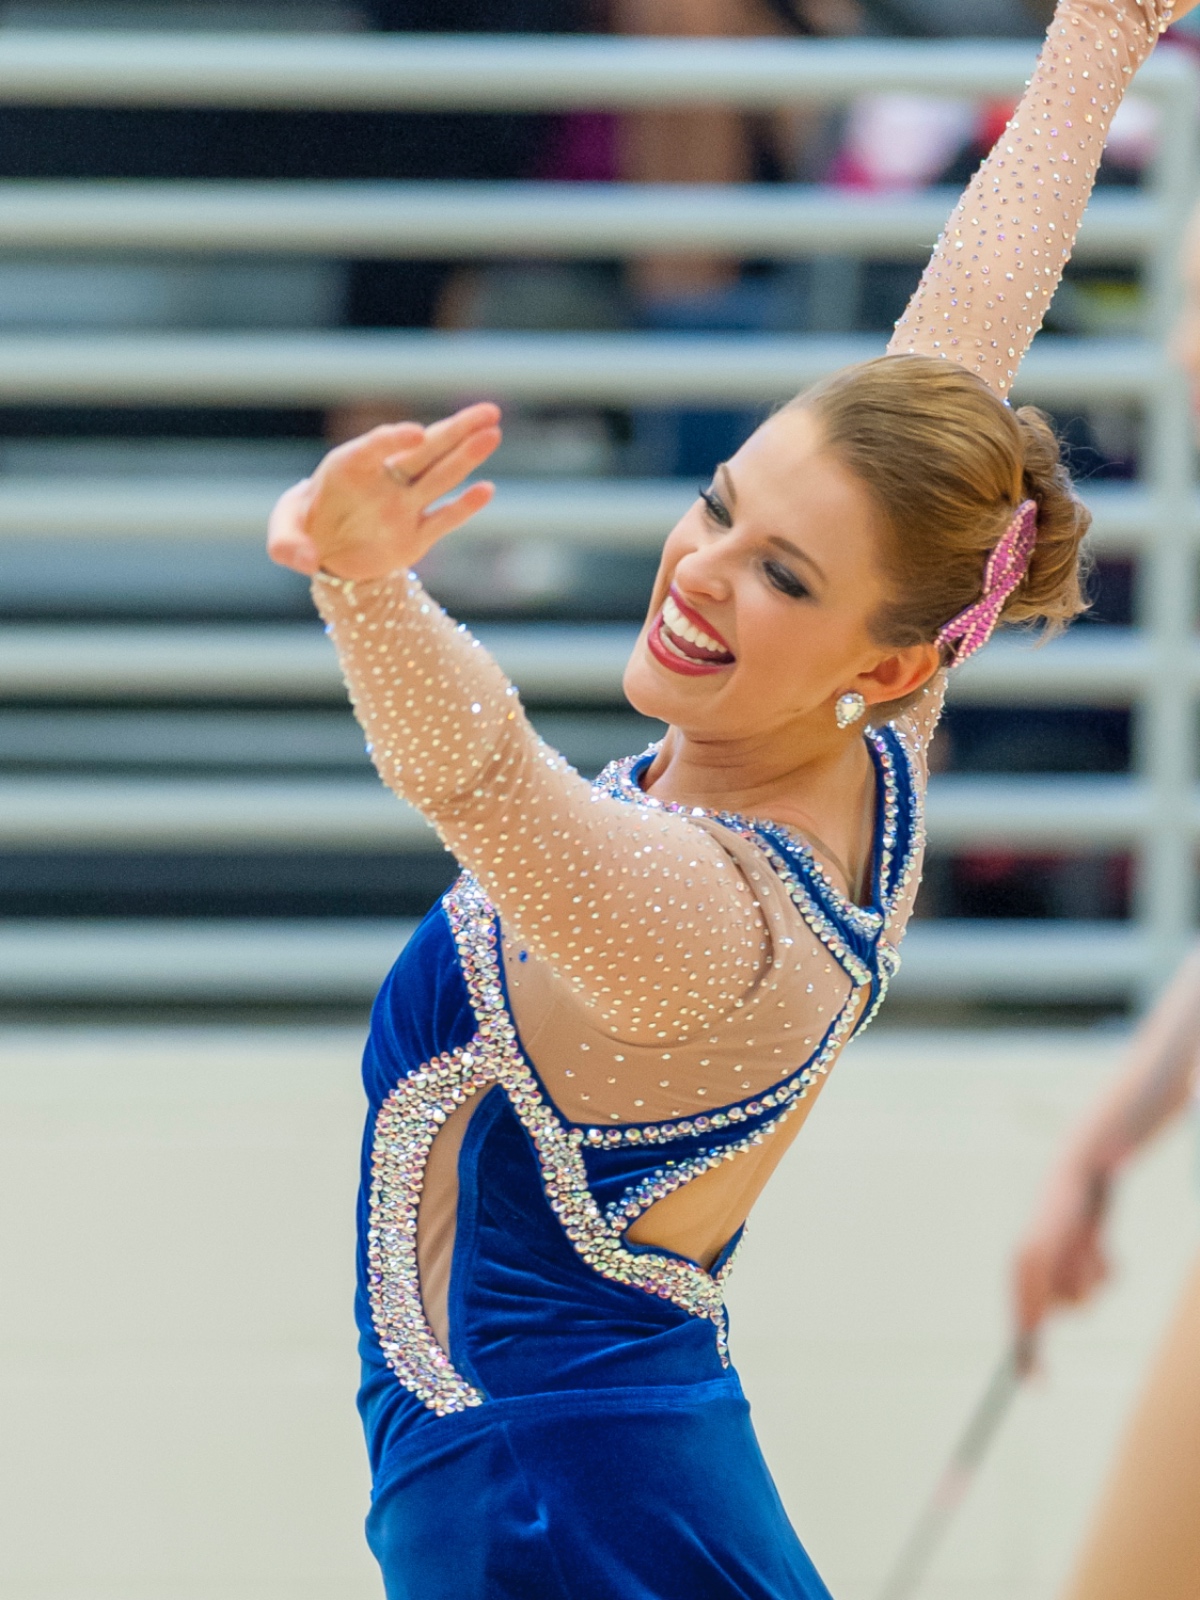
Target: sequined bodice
x,y
569,1179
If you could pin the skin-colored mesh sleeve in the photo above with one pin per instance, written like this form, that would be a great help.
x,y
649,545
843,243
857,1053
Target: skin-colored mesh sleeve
x,y
999,261
639,910
918,724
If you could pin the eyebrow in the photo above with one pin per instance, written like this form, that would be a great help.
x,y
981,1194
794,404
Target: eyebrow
x,y
777,540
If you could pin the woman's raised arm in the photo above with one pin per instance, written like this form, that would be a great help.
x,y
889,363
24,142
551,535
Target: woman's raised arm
x,y
996,267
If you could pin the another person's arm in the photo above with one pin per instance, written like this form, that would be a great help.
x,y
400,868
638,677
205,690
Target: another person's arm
x,y
1063,1260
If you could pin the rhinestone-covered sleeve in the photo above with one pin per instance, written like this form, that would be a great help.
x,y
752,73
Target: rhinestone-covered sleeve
x,y
641,911
999,261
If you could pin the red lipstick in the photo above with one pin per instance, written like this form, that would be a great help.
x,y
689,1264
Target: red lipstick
x,y
681,639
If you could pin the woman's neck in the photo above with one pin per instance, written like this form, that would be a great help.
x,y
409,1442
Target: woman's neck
x,y
753,774
826,792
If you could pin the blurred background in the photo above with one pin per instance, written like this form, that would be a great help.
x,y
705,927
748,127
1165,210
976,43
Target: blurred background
x,y
232,234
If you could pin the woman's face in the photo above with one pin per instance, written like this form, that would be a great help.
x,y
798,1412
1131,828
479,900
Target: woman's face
x,y
760,613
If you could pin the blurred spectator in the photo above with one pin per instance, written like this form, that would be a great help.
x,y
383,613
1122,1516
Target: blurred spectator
x,y
711,144
451,145
714,144
980,19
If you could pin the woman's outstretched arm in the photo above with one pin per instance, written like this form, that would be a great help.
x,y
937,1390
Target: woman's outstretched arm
x,y
996,267
639,910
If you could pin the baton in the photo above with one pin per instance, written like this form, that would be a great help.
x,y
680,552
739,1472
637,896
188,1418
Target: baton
x,y
958,1473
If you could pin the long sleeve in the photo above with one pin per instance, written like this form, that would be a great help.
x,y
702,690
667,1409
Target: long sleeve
x,y
997,265
642,912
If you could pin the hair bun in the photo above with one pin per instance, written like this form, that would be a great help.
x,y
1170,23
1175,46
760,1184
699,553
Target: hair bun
x,y
947,464
1052,591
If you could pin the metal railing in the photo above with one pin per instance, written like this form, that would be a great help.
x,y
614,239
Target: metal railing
x,y
466,220
1154,667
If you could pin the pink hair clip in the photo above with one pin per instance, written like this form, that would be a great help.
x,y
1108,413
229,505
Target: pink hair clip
x,y
1008,563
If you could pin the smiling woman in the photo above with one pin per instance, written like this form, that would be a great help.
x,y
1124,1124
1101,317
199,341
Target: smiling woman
x,y
590,1058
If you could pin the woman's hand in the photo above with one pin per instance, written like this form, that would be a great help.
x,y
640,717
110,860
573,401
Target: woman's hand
x,y
1142,20
369,509
1159,14
1063,1260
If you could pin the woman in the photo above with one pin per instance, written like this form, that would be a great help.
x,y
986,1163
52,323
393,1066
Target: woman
x,y
594,1052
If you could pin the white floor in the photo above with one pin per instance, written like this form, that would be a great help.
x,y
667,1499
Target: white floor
x,y
176,1343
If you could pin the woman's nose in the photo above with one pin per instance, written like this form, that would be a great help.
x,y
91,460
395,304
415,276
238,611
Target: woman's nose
x,y
702,573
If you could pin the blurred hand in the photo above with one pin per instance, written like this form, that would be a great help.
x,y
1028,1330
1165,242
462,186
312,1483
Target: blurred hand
x,y
366,511
1062,1260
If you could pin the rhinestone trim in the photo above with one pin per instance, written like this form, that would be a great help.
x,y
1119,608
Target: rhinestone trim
x,y
405,1128
618,782
410,1118
558,1146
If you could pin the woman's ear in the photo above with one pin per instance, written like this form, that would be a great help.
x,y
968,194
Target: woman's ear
x,y
899,674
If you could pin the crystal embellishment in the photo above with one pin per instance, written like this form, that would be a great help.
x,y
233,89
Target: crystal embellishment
x,y
415,1110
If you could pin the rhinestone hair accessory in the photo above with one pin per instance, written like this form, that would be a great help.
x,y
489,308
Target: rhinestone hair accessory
x,y
971,629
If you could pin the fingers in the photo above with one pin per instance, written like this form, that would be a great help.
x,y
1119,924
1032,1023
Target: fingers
x,y
361,457
1048,1274
1031,1297
1083,1273
437,524
458,463
351,519
442,438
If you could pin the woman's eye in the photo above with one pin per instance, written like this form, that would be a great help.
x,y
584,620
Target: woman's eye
x,y
785,580
716,508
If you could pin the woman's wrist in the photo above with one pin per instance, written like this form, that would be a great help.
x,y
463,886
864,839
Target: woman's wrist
x,y
1131,26
338,580
1096,1158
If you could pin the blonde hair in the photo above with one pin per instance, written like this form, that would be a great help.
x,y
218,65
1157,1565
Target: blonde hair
x,y
947,463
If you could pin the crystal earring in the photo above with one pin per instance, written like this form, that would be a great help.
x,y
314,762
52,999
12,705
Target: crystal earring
x,y
849,708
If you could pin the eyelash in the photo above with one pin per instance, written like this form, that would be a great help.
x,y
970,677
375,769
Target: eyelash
x,y
716,508
786,581
778,576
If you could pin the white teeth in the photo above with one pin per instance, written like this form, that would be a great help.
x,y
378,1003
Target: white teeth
x,y
683,629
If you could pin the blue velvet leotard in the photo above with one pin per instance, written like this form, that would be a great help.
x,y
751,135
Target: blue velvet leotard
x,y
584,1435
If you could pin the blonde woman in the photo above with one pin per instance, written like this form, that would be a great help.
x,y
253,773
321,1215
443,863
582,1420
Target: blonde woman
x,y
591,1056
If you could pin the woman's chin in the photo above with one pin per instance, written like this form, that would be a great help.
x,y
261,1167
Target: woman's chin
x,y
657,692
640,690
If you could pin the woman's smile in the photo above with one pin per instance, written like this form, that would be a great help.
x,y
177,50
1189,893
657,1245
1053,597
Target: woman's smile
x,y
682,640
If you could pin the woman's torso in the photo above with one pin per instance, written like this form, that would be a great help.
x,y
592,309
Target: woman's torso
x,y
546,1208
